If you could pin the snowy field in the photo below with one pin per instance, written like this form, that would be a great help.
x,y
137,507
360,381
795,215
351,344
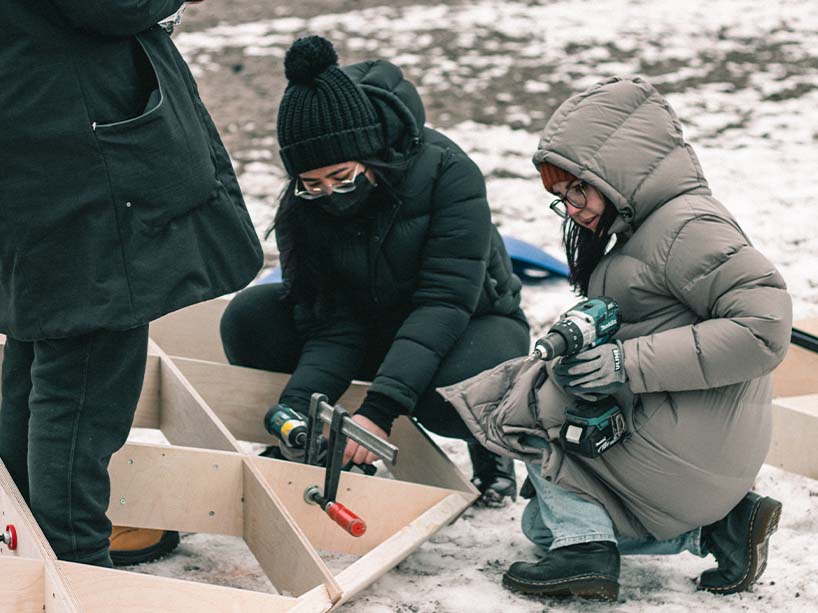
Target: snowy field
x,y
742,75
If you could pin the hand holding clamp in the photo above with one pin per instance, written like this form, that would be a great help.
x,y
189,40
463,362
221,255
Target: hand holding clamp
x,y
341,428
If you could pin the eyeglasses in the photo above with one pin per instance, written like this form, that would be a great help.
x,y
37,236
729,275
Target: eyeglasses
x,y
344,186
575,196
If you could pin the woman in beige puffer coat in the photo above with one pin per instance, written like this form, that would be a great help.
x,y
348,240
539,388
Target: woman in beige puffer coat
x,y
706,318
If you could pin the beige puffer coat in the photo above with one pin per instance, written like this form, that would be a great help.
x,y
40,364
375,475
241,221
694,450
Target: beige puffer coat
x,y
706,319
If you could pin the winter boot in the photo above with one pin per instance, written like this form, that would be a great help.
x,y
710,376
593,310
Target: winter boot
x,y
586,570
138,545
493,476
739,542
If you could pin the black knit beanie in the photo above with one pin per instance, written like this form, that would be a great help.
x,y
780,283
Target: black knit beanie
x,y
324,118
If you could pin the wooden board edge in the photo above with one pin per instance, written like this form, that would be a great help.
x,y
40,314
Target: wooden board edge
x,y
386,556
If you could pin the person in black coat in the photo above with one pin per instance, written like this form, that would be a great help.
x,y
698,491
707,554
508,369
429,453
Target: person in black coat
x,y
118,204
392,269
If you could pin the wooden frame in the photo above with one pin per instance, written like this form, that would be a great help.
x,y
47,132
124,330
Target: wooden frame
x,y
204,407
795,409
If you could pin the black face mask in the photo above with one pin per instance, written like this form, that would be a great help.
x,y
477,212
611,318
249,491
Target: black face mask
x,y
350,203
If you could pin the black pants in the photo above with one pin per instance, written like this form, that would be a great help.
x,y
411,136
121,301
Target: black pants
x,y
67,406
258,331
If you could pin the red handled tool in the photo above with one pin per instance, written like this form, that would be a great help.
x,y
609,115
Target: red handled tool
x,y
341,427
9,537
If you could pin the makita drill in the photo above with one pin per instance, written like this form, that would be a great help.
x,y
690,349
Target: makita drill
x,y
591,427
585,325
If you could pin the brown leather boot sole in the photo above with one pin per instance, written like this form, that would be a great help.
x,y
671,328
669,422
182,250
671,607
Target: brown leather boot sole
x,y
160,548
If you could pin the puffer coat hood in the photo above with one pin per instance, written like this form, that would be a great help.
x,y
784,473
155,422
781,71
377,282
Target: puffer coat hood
x,y
705,319
630,147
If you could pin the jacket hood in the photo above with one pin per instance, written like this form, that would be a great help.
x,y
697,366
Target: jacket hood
x,y
396,101
622,137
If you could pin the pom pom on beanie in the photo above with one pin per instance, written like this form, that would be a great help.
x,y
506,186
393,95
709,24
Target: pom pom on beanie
x,y
307,58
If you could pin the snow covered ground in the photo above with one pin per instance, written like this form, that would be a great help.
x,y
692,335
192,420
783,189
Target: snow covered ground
x,y
742,75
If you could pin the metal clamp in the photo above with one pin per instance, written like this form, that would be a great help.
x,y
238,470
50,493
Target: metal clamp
x,y
341,427
321,410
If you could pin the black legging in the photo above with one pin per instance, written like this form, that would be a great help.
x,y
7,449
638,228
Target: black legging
x,y
258,331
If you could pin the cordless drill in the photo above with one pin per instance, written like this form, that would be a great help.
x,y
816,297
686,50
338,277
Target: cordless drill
x,y
583,326
287,424
590,428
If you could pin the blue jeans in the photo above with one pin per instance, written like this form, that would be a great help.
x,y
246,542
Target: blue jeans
x,y
557,518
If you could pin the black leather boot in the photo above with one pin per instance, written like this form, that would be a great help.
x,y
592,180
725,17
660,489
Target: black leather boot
x,y
739,542
586,570
493,475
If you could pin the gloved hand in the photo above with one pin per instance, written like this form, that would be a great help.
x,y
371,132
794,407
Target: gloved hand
x,y
593,373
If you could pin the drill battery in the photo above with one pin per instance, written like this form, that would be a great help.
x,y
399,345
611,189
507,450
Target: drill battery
x,y
591,428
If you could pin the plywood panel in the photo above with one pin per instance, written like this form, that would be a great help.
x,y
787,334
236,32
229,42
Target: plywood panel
x,y
31,543
102,590
375,564
279,545
795,430
177,488
385,505
185,417
420,460
22,585
798,373
148,407
241,396
192,332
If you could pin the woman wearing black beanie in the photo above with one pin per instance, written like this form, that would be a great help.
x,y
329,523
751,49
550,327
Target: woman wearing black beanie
x,y
392,269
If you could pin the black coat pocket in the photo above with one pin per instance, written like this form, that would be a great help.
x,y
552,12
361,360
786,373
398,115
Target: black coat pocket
x,y
160,163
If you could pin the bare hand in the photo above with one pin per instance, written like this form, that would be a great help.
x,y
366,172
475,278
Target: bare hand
x,y
357,453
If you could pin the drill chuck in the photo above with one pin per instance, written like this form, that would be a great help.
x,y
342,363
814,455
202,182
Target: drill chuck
x,y
564,338
550,346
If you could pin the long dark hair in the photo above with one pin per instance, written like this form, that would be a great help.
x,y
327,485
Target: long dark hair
x,y
305,234
584,248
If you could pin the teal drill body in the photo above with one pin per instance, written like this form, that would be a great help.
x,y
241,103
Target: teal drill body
x,y
590,428
585,325
287,424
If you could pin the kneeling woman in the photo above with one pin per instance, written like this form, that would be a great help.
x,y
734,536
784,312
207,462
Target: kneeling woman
x,y
392,269
706,319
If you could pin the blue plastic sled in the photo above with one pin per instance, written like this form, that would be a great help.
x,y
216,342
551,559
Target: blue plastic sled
x,y
530,263
274,276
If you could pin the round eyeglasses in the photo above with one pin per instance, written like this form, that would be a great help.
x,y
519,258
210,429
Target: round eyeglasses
x,y
575,196
344,186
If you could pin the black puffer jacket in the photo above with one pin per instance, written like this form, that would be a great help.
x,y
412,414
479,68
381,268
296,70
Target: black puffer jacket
x,y
428,261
